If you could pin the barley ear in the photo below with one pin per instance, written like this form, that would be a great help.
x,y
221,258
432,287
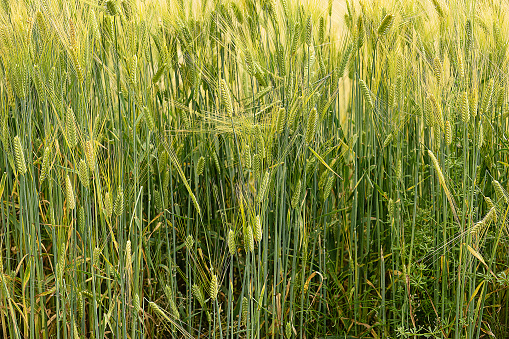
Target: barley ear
x,y
366,93
69,194
214,287
19,156
386,24
231,242
119,202
296,195
83,173
226,98
258,230
311,127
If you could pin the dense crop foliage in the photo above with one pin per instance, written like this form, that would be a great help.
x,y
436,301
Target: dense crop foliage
x,y
249,169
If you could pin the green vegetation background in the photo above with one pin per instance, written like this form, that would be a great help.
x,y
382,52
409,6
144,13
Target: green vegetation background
x,y
252,169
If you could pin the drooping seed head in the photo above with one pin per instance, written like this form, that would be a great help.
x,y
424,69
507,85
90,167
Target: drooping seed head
x,y
489,202
198,294
501,192
386,24
366,93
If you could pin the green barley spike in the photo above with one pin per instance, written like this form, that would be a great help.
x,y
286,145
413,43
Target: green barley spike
x,y
45,163
134,65
263,188
111,7
428,112
473,102
288,329
189,242
248,239
257,163
81,219
119,202
322,180
214,287
461,66
500,191
366,93
258,230
344,60
448,133
136,303
261,145
200,166
83,173
198,294
437,69
489,202
296,195
439,8
70,128
321,26
245,310
90,154
386,24
311,127
75,330
309,31
231,242
437,110
69,193
39,85
465,109
108,205
328,187
149,119
488,94
96,256
158,201
392,97
387,140
247,156
19,156
80,305
480,137
226,98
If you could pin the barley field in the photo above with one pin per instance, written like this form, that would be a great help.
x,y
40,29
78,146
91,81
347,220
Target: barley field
x,y
254,169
